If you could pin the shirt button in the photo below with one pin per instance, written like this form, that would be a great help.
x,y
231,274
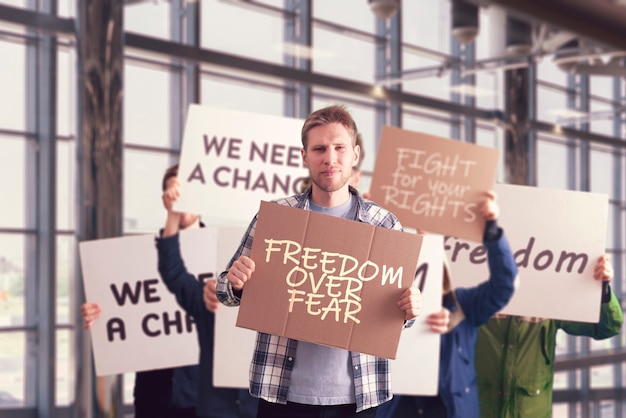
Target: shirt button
x,y
420,411
290,358
510,346
467,390
538,391
460,349
356,367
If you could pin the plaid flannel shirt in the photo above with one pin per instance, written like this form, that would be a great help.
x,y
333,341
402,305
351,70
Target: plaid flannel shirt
x,y
274,356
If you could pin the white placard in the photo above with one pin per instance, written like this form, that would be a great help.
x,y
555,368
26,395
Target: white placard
x,y
141,326
231,343
556,237
415,371
231,160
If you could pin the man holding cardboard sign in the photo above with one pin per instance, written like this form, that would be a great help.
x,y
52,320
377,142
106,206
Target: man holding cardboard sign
x,y
297,378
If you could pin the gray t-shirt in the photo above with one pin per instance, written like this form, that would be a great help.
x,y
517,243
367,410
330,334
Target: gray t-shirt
x,y
325,374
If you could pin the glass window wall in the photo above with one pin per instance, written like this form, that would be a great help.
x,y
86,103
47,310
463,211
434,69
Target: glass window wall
x,y
158,84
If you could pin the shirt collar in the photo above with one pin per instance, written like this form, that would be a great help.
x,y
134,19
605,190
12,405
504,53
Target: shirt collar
x,y
304,202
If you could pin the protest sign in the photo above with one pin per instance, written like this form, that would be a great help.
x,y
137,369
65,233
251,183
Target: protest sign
x,y
231,342
141,326
418,350
328,280
556,237
230,159
433,184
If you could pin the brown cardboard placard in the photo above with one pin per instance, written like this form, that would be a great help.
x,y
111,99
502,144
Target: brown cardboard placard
x,y
328,280
433,183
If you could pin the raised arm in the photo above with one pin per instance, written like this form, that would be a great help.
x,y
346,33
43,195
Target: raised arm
x,y
611,314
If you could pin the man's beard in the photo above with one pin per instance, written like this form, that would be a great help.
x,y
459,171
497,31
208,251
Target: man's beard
x,y
331,186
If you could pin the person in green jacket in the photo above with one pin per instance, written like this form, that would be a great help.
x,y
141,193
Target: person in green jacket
x,y
515,355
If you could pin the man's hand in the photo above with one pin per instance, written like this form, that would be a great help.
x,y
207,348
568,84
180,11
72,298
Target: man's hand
x,y
211,302
439,321
411,303
90,312
240,272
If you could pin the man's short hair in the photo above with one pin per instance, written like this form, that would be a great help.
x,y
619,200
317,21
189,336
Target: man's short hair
x,y
326,116
359,142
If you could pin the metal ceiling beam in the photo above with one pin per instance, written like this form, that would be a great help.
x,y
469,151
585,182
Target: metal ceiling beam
x,y
564,131
185,52
601,20
172,49
595,395
595,358
33,19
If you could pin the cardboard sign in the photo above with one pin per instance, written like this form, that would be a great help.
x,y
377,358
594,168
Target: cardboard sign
x,y
433,184
141,326
328,280
418,351
231,342
556,237
234,158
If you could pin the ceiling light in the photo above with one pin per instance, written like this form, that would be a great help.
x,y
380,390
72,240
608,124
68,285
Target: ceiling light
x,y
384,9
518,37
465,26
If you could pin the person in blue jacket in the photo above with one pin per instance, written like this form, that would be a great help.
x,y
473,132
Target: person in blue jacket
x,y
212,402
464,310
183,392
161,393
